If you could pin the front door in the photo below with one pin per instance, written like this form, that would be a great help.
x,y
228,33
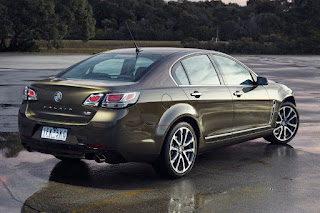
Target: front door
x,y
251,103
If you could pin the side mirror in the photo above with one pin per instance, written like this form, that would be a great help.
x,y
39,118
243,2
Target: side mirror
x,y
262,81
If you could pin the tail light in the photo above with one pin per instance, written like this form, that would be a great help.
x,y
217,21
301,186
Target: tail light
x,y
112,100
29,94
93,99
120,100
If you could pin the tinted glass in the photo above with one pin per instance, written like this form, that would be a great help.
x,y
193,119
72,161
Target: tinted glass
x,y
110,67
200,70
113,67
179,75
232,72
143,62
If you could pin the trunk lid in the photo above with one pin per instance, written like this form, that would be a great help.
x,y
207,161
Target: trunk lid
x,y
70,108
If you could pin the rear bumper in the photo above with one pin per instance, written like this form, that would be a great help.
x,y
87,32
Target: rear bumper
x,y
126,135
81,151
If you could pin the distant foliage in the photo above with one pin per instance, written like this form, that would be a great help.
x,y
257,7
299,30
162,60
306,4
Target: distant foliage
x,y
263,26
23,21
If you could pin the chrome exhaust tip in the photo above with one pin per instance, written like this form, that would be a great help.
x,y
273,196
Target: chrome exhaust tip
x,y
100,158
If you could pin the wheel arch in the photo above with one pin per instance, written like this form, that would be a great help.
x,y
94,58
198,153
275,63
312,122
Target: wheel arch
x,y
290,99
190,120
185,118
175,114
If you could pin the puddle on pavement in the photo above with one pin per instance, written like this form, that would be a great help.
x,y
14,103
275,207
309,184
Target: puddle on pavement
x,y
10,145
9,85
185,198
9,105
279,150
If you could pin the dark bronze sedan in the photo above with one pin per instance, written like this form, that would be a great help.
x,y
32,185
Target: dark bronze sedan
x,y
162,106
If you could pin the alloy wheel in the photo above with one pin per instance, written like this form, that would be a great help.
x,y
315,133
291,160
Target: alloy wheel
x,y
182,150
286,124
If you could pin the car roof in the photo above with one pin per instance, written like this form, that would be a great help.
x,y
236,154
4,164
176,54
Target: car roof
x,y
159,50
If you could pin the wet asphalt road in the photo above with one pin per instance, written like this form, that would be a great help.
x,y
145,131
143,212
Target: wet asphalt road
x,y
250,177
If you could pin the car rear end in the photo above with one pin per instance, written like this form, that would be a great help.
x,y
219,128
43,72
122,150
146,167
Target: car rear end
x,y
89,112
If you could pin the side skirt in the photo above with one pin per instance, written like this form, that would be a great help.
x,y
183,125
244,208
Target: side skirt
x,y
235,138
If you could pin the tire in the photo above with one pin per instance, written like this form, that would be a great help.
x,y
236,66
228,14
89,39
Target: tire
x,y
287,125
66,159
179,152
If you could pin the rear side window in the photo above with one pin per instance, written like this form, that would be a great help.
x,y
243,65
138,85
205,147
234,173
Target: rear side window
x,y
200,70
113,67
179,75
232,72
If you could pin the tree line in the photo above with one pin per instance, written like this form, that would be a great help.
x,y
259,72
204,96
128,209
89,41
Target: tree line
x,y
23,21
263,26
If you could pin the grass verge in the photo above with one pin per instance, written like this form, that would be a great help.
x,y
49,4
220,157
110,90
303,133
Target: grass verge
x,y
96,46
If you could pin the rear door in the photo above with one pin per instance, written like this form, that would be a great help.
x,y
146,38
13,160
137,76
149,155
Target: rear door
x,y
252,105
197,76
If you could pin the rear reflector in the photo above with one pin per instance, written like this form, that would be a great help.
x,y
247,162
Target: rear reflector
x,y
99,147
129,97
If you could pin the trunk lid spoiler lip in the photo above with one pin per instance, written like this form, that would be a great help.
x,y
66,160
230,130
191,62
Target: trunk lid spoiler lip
x,y
93,84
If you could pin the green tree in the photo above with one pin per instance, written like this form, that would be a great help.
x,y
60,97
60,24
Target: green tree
x,y
5,25
76,16
269,23
23,21
26,20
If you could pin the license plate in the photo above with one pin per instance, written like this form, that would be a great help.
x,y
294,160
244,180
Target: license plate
x,y
54,133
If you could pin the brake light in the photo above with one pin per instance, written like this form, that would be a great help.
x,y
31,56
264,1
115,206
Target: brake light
x,y
93,99
115,98
120,100
30,94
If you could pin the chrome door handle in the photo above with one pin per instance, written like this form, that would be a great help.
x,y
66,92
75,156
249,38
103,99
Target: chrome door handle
x,y
237,93
196,94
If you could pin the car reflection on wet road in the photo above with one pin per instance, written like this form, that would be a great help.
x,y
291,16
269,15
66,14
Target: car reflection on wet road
x,y
250,177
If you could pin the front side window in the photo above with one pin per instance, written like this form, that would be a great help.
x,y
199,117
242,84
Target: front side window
x,y
232,72
200,70
112,67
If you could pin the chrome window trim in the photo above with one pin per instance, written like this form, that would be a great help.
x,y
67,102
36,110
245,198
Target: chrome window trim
x,y
208,54
185,56
255,76
170,69
210,85
236,132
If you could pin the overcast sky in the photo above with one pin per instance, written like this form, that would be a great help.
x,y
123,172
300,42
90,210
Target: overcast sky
x,y
240,2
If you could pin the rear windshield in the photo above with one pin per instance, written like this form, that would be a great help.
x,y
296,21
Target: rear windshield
x,y
114,67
